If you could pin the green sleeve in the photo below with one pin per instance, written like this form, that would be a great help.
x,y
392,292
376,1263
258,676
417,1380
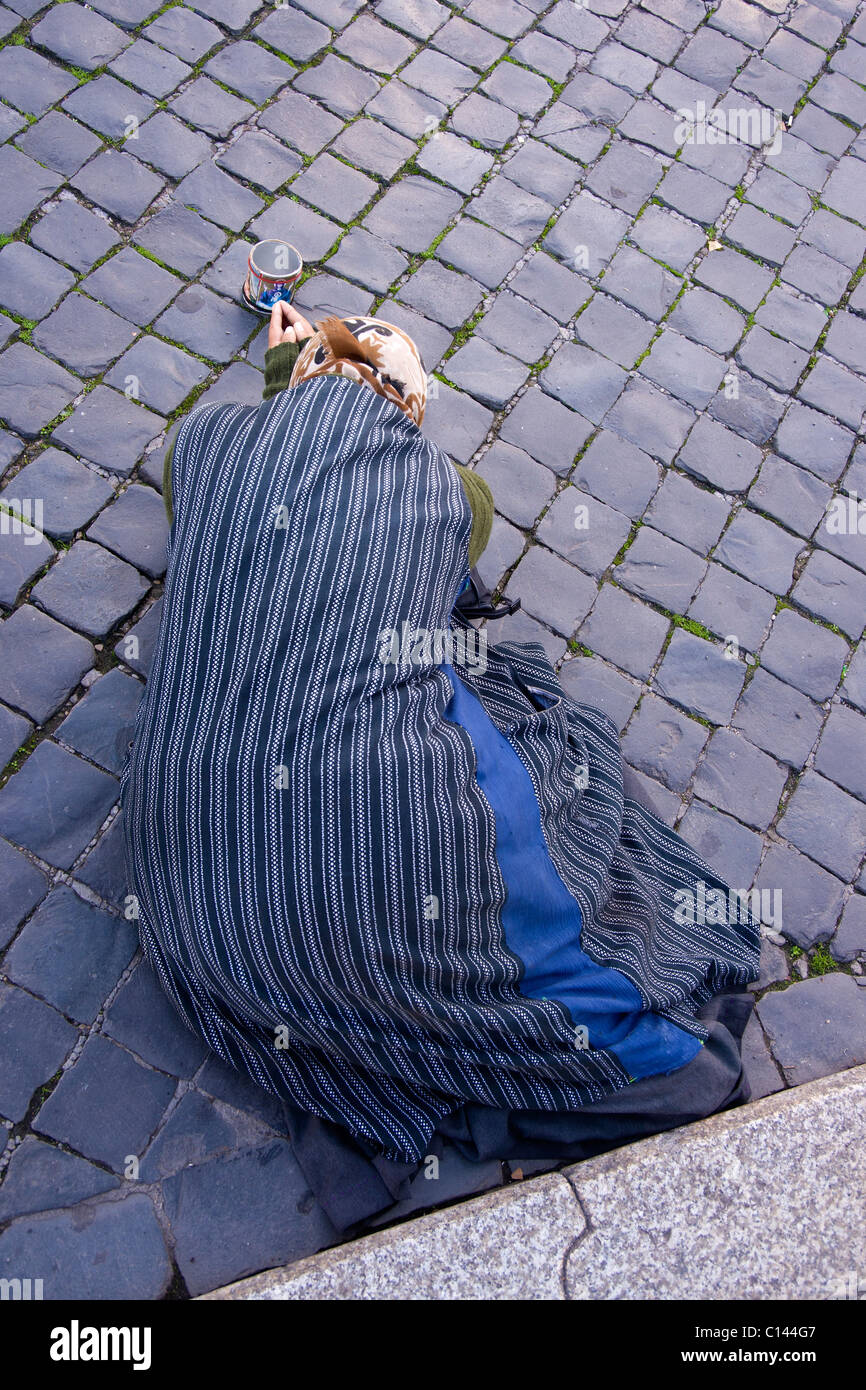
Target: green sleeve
x,y
166,482
279,363
481,501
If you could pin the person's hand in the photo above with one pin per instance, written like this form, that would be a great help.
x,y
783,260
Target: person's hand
x,y
287,325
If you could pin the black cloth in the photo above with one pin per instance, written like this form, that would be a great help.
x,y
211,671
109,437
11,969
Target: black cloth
x,y
354,1184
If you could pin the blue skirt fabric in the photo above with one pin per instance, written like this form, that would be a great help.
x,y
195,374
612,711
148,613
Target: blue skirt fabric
x,y
541,919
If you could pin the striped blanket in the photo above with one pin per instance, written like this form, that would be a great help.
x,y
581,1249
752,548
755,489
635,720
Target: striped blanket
x,y
312,857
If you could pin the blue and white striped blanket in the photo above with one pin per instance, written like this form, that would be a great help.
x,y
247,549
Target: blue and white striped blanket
x,y
311,854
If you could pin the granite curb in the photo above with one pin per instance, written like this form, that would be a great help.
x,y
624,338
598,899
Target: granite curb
x,y
754,1203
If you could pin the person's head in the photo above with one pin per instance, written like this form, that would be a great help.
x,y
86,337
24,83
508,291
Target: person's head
x,y
369,351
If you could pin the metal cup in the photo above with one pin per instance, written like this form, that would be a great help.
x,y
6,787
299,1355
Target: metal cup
x,y
273,271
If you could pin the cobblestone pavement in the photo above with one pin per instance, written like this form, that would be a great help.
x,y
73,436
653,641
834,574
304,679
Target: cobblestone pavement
x,y
652,346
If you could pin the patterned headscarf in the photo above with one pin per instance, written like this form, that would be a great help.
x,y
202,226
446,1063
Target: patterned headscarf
x,y
371,351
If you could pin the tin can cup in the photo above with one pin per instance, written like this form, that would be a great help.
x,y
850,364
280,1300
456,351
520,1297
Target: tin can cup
x,y
274,268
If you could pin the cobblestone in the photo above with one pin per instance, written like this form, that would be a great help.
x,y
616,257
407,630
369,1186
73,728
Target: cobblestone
x,y
614,330
121,1244
650,419
618,473
71,953
510,209
100,726
299,122
814,669
551,287
833,591
411,214
218,197
36,1040
454,161
687,513
485,373
827,824
150,68
59,143
708,319
42,663
667,238
778,719
547,430
40,1176
684,368
808,438
109,429
738,778
30,283
367,42
118,184
249,71
806,1042
108,1106
736,277
143,1020
551,589
752,409
659,336
72,234
471,44
20,561
760,551
663,743
106,105
584,380
210,108
521,486
660,569
625,631
850,939
83,335
134,286
518,327
372,146
776,362
187,34
593,682
836,391
731,607
694,194
584,530
728,847
695,674
228,1202
56,806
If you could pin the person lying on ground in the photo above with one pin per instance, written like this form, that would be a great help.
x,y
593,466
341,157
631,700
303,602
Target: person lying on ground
x,y
383,865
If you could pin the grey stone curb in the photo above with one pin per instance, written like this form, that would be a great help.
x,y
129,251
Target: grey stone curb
x,y
761,1202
